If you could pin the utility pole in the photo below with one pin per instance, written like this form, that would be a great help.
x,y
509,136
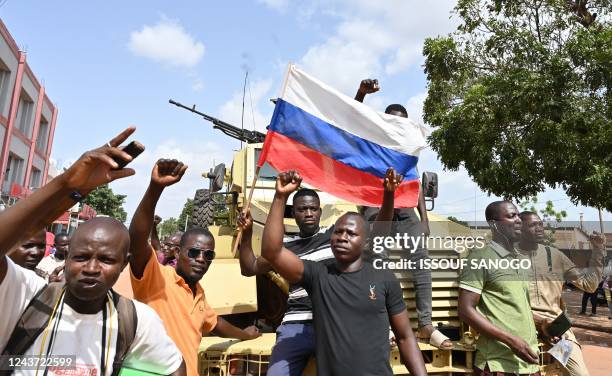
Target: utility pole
x,y
186,219
601,226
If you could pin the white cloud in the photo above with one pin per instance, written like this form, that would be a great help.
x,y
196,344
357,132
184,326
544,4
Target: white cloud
x,y
198,86
414,106
373,38
260,93
340,64
167,42
280,5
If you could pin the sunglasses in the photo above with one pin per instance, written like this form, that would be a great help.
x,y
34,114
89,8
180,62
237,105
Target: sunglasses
x,y
209,254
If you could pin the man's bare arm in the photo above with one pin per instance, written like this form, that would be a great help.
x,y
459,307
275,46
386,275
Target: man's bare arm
x,y
91,170
250,264
587,279
155,243
285,262
408,347
468,301
382,223
165,173
46,204
226,330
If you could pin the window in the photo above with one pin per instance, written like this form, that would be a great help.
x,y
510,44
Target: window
x,y
43,135
25,113
267,172
14,172
35,178
5,90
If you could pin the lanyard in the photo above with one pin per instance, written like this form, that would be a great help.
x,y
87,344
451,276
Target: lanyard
x,y
105,347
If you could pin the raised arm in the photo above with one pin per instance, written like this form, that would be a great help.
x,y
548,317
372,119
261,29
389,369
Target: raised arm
x,y
408,347
165,173
468,301
587,279
250,264
285,262
367,86
92,169
382,223
155,243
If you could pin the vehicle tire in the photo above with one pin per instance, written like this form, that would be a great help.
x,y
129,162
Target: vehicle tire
x,y
203,209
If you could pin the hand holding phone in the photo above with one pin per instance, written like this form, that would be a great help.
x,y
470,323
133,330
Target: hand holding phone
x,y
134,149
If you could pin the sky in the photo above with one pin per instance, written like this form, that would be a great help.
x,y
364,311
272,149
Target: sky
x,y
111,64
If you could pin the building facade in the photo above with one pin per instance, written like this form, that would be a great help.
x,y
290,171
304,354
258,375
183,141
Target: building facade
x,y
27,123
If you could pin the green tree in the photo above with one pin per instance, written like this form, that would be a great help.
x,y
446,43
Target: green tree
x,y
549,215
186,214
104,201
168,227
520,96
457,220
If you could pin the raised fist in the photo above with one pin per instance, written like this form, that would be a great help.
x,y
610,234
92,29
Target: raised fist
x,y
392,180
369,86
167,172
288,182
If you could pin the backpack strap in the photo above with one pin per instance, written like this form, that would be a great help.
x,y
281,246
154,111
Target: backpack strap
x,y
548,258
127,324
33,321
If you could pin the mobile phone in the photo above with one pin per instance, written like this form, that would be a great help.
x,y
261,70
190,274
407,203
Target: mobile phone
x,y
134,149
560,325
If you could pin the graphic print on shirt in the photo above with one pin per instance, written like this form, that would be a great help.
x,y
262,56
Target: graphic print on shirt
x,y
372,292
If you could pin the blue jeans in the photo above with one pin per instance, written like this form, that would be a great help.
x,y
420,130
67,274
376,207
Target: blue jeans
x,y
295,344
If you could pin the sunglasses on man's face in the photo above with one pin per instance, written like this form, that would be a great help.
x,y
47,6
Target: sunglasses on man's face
x,y
209,254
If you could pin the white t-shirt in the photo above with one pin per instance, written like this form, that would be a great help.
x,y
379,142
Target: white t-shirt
x,y
151,351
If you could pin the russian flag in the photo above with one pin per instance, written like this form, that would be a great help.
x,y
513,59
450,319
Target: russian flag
x,y
340,145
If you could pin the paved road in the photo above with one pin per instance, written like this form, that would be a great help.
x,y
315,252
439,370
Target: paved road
x,y
597,340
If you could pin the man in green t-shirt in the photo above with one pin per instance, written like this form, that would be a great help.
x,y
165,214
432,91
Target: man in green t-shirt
x,y
494,299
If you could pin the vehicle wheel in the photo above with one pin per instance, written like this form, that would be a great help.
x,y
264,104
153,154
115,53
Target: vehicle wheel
x,y
203,209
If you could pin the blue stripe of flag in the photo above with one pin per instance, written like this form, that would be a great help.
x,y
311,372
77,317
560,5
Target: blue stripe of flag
x,y
338,144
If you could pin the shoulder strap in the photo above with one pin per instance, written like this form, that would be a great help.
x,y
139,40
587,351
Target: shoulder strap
x,y
32,321
127,323
548,258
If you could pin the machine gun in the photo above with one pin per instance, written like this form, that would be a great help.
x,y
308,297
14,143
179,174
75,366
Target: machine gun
x,y
250,137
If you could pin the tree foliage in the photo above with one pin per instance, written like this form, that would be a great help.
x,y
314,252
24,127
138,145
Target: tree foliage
x,y
549,214
168,227
172,225
186,214
520,96
105,202
457,220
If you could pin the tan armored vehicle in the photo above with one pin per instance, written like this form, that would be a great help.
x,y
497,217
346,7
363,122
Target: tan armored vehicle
x,y
244,301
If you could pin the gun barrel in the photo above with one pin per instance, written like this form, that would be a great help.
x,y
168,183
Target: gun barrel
x,y
247,136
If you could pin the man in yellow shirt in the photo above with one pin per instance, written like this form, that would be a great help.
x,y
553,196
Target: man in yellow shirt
x,y
550,268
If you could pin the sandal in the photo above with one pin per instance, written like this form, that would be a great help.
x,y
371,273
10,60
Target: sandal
x,y
437,339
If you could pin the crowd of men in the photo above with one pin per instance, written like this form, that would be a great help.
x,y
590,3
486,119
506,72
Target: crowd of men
x,y
340,308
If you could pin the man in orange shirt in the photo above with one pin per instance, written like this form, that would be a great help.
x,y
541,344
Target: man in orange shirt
x,y
176,294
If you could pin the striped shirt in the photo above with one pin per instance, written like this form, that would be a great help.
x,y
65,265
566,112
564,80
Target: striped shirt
x,y
314,248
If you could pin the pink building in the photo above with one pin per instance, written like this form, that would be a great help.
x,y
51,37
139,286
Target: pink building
x,y
27,122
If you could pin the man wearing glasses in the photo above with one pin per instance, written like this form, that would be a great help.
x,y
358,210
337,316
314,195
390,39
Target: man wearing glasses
x,y
176,294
